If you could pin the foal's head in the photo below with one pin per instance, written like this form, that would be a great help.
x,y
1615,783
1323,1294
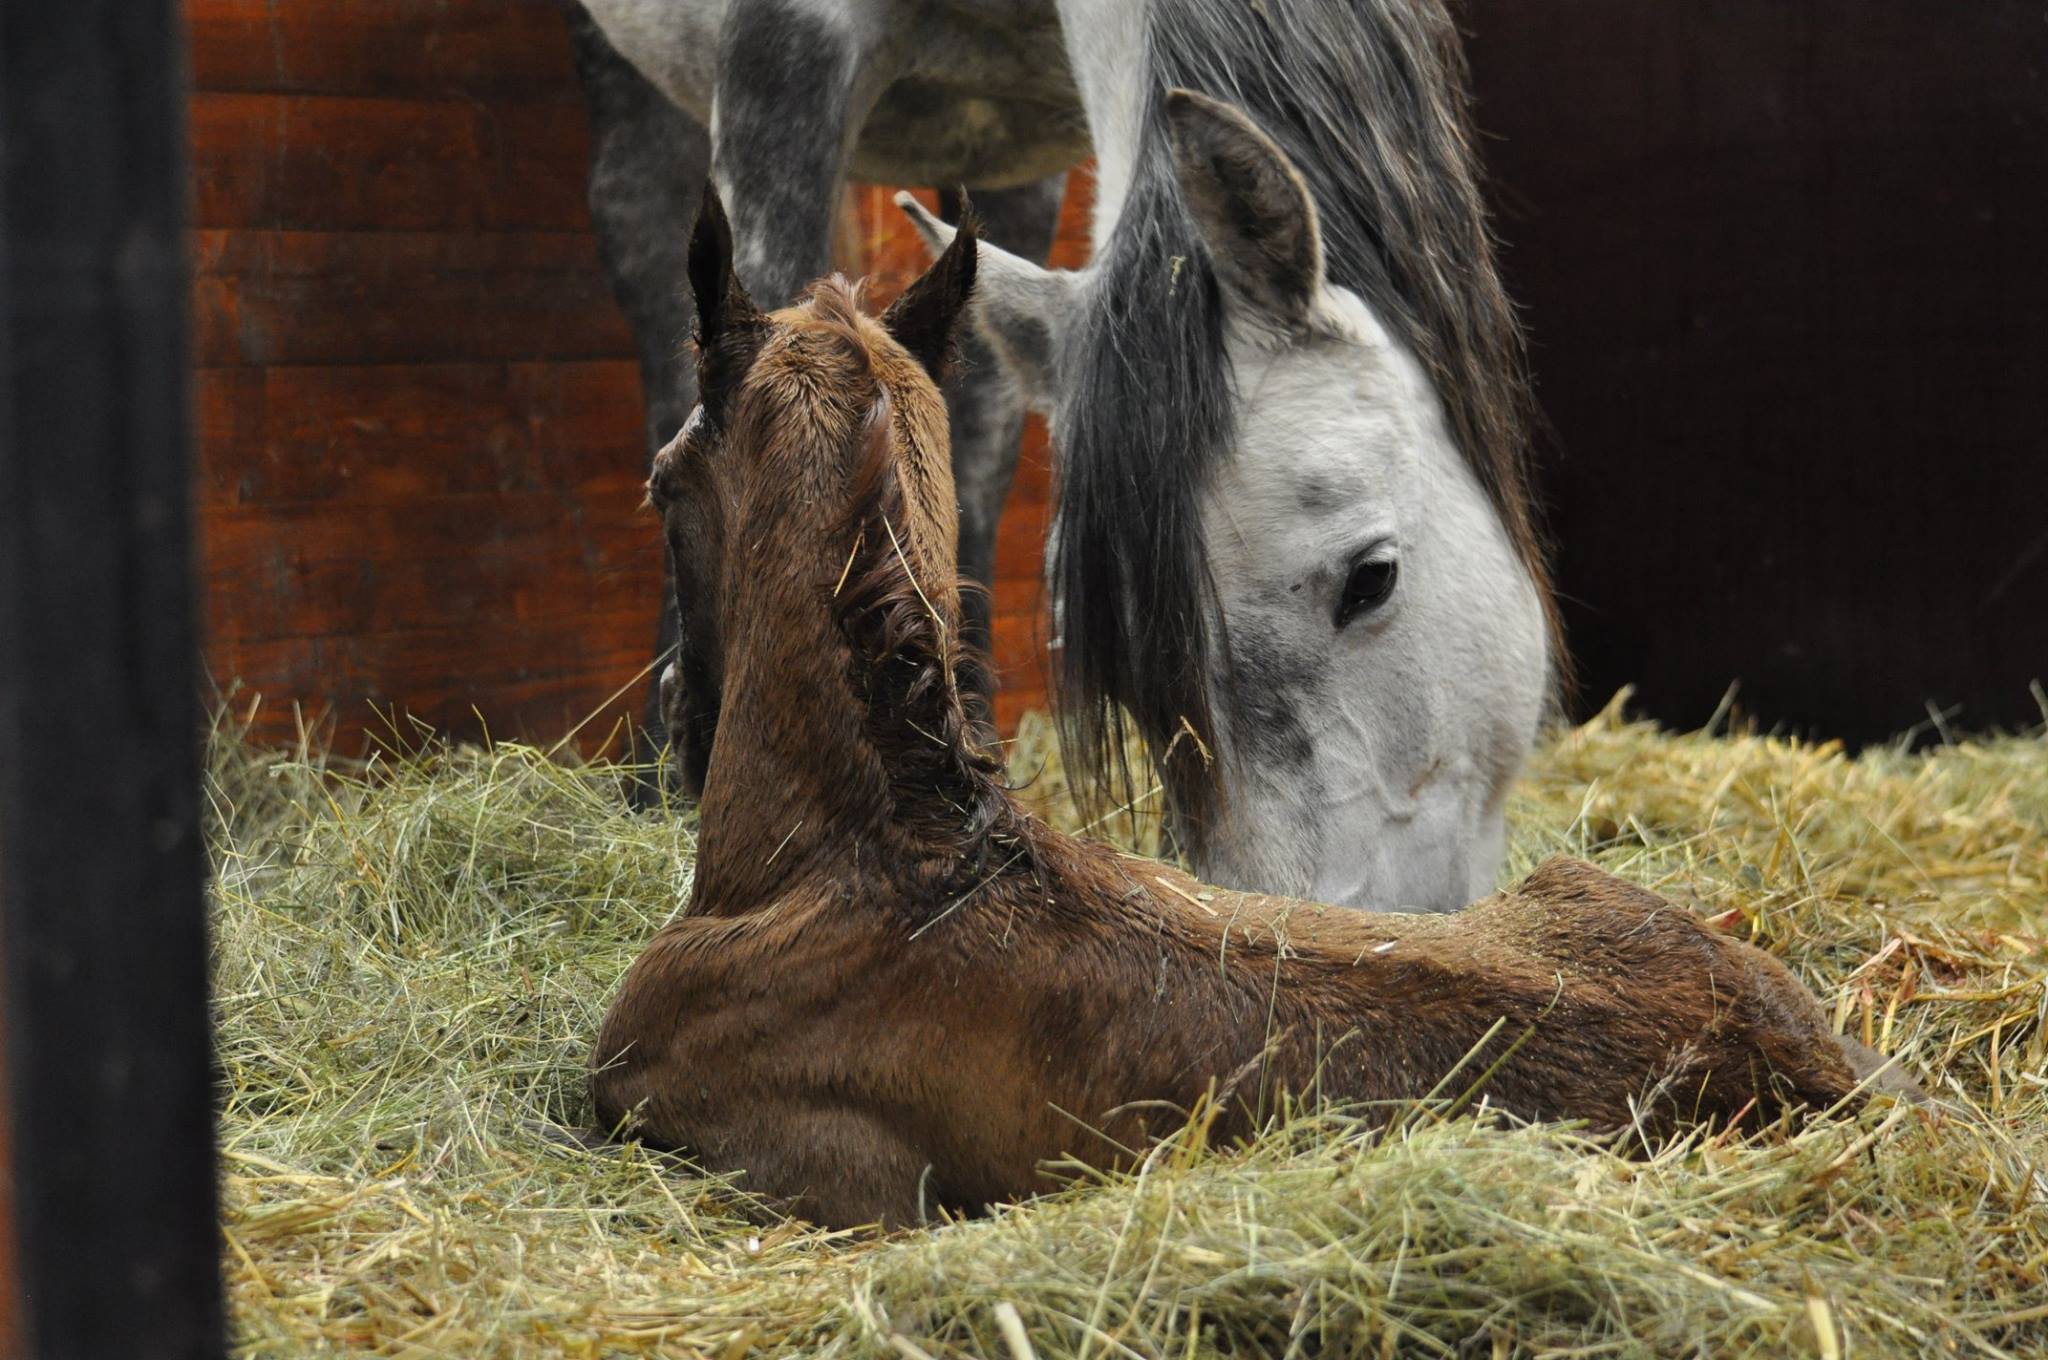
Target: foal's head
x,y
813,482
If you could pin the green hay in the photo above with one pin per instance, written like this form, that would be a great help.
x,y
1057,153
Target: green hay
x,y
411,960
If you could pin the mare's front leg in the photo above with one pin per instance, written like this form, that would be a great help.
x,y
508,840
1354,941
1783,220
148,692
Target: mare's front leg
x,y
648,161
985,404
795,82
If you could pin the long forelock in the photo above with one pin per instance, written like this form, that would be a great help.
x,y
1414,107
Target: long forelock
x,y
818,358
833,304
1369,100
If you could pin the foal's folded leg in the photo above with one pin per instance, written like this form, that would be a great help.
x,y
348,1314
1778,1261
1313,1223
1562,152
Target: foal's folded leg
x,y
833,1165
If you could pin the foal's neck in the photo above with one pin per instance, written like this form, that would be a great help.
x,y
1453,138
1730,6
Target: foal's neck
x,y
834,763
787,786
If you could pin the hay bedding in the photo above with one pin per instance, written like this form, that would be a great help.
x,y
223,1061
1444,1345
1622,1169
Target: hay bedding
x,y
411,961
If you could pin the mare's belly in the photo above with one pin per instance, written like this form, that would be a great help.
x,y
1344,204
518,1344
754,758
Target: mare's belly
x,y
927,134
979,92
982,95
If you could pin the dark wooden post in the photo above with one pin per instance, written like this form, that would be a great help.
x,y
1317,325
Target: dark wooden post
x,y
102,923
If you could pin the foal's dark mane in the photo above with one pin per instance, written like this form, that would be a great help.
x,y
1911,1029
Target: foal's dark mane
x,y
908,663
1369,99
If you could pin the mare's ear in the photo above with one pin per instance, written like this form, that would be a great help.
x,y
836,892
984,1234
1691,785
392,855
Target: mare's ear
x,y
1251,206
730,328
926,317
1020,309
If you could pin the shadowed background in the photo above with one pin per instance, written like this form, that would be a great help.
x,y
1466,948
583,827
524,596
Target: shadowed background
x,y
1779,262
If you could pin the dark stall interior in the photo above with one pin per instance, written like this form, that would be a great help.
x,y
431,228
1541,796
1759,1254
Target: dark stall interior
x,y
1780,263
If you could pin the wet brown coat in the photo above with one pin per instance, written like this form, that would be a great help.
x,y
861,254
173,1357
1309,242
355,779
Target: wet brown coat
x,y
894,990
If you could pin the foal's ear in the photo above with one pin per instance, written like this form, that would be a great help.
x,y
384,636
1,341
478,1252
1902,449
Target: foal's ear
x,y
730,328
1020,309
926,318
1251,206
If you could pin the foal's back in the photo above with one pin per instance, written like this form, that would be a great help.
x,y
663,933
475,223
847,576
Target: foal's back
x,y
861,1059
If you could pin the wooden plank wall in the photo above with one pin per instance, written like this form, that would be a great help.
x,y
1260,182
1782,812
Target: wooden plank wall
x,y
419,416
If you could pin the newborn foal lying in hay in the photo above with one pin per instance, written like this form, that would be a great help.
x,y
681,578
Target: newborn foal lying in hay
x,y
895,989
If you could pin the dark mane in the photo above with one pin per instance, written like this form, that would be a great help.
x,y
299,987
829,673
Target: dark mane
x,y
908,666
1369,99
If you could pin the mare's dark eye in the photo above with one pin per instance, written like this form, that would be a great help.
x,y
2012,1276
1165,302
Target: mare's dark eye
x,y
1370,583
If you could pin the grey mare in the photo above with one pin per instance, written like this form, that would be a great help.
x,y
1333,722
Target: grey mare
x,y
1294,541
782,102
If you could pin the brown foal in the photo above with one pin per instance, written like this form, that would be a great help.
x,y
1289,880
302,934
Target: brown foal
x,y
895,988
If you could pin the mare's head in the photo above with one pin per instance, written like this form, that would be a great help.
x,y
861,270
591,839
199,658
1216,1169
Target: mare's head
x,y
812,488
1271,550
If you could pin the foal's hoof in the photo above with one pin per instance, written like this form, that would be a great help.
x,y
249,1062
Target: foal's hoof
x,y
584,1140
1881,1075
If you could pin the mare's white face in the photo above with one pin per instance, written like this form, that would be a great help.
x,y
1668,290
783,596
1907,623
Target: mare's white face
x,y
1381,661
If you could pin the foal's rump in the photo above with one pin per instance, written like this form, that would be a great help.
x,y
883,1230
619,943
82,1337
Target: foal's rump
x,y
1784,1008
1574,995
